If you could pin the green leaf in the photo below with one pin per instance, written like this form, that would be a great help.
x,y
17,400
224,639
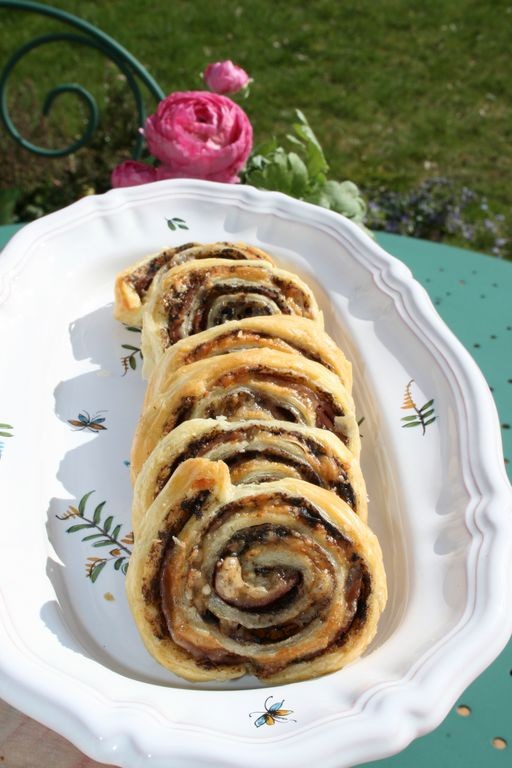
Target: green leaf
x,y
124,567
103,543
93,536
182,226
427,414
108,524
296,142
6,426
97,513
411,424
8,200
133,363
133,328
315,158
179,221
97,569
131,347
82,503
427,405
79,527
170,224
264,148
115,532
342,197
5,434
298,175
118,563
430,421
409,418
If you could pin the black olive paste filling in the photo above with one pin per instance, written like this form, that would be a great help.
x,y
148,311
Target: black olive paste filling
x,y
142,277
239,336
337,482
177,301
357,586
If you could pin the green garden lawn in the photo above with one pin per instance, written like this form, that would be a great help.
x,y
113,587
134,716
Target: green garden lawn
x,y
398,92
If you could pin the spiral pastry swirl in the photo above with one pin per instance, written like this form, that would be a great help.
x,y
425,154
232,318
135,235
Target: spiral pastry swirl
x,y
132,284
257,384
280,580
254,451
195,296
284,333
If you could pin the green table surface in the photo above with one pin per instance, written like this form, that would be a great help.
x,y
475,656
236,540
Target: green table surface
x,y
471,292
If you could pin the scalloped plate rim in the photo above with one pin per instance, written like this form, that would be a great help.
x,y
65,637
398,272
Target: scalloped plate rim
x,y
416,718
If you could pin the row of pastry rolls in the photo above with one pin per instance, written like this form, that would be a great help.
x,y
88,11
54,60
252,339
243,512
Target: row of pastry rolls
x,y
252,553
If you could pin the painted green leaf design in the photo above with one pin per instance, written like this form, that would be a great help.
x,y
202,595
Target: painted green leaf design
x,y
79,527
175,223
97,569
103,537
421,416
115,532
97,512
82,503
133,363
108,524
5,434
6,426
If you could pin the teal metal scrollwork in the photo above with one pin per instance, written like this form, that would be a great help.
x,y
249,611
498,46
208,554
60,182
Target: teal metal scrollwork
x,y
91,37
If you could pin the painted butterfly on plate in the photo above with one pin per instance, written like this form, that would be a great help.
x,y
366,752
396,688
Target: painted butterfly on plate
x,y
86,421
273,714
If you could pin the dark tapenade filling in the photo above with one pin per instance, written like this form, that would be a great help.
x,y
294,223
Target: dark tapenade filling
x,y
326,409
245,337
336,480
142,277
243,306
357,585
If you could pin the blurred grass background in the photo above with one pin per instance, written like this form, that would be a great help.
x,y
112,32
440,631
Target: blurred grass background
x,y
410,100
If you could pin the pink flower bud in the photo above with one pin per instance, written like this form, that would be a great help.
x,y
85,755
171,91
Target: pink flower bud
x,y
225,77
131,173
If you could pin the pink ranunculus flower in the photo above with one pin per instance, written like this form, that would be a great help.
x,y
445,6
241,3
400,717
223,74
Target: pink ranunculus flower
x,y
131,173
225,77
199,135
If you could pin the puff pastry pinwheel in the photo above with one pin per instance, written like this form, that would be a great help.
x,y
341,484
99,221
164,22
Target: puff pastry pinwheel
x,y
284,333
254,384
198,295
255,451
133,283
280,580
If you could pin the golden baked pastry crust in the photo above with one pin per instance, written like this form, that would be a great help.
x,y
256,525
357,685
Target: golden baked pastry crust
x,y
195,296
254,451
284,333
280,579
254,384
132,284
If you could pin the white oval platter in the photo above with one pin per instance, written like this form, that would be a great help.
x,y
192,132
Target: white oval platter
x,y
70,397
